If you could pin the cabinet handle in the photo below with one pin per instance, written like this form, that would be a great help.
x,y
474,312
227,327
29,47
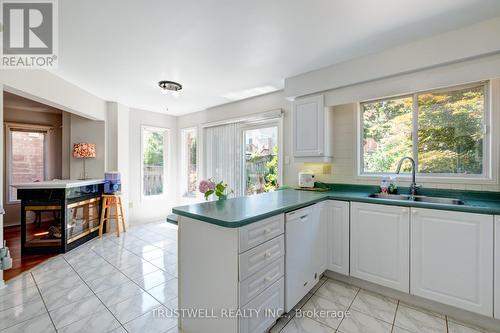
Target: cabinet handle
x,y
303,217
267,254
267,279
415,212
268,230
404,210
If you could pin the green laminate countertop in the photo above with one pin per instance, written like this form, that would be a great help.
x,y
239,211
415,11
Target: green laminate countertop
x,y
237,212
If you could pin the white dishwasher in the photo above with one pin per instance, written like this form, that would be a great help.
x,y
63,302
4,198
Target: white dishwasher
x,y
299,243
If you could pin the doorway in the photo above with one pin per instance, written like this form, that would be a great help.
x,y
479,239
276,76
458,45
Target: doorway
x,y
261,158
33,152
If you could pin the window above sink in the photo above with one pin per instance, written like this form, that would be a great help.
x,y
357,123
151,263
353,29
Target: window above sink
x,y
446,131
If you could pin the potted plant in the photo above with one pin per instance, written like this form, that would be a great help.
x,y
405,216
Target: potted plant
x,y
209,187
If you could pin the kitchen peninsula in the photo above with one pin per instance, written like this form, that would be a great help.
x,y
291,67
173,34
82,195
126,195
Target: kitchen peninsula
x,y
245,254
58,215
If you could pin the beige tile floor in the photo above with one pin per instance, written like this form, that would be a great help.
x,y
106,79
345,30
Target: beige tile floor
x,y
369,313
108,285
116,284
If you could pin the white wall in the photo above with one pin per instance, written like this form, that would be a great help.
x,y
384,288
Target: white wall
x,y
117,147
151,208
66,145
45,87
123,154
451,47
341,103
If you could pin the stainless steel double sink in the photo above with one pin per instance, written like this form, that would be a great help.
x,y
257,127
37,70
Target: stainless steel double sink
x,y
418,198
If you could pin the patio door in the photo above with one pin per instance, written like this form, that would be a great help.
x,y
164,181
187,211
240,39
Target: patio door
x,y
261,157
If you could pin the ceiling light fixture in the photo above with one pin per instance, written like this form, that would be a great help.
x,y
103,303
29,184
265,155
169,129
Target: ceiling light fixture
x,y
170,86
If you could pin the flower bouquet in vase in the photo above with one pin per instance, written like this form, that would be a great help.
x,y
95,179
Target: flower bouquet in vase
x,y
209,187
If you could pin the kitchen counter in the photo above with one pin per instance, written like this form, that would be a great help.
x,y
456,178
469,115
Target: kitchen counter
x,y
237,212
58,183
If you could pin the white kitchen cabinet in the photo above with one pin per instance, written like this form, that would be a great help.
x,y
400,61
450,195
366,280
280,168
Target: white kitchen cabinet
x,y
234,269
497,267
337,215
380,244
452,258
311,128
320,237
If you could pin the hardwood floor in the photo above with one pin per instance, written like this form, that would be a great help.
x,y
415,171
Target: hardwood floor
x,y
19,264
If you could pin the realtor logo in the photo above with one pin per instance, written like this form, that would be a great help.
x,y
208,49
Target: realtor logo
x,y
29,33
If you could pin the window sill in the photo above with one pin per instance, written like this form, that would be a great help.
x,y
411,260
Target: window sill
x,y
153,197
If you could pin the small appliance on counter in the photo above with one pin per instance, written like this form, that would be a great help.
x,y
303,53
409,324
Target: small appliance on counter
x,y
112,182
306,179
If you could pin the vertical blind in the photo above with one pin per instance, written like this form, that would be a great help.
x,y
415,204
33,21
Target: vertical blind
x,y
223,150
222,156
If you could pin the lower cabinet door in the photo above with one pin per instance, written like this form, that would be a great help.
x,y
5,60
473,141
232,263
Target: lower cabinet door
x,y
497,267
263,311
319,238
338,236
380,244
452,258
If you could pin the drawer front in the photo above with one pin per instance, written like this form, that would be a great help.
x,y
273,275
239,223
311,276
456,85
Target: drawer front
x,y
257,258
259,232
269,305
299,213
258,282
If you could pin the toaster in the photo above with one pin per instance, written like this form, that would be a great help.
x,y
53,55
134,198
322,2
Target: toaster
x,y
306,179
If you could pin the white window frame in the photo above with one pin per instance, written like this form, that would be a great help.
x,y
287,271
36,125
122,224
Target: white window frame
x,y
278,122
166,164
488,175
13,127
184,157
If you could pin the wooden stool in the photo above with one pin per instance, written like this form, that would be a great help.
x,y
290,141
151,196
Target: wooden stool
x,y
108,201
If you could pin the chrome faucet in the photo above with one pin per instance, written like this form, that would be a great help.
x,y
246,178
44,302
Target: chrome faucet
x,y
413,186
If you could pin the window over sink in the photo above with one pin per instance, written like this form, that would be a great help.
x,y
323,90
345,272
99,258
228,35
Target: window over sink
x,y
445,131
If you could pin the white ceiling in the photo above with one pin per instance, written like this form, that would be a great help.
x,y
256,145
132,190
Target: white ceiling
x,y
221,50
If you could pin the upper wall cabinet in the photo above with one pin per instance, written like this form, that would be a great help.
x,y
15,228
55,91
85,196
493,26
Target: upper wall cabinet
x,y
311,129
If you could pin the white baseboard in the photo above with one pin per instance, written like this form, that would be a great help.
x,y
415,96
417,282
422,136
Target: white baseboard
x,y
148,220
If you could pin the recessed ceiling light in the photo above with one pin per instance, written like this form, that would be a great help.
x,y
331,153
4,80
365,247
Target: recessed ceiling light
x,y
170,86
